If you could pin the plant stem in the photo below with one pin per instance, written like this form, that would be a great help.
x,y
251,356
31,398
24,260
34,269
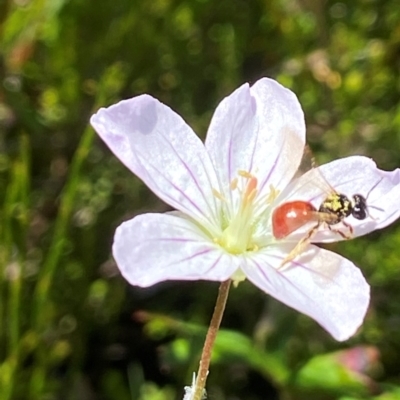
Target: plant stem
x,y
210,339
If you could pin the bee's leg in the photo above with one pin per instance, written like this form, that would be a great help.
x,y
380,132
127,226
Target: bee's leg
x,y
349,227
342,234
300,246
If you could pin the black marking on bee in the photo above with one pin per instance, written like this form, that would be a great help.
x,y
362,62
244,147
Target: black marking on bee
x,y
336,207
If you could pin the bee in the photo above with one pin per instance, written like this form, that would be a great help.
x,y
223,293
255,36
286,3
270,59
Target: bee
x,y
333,210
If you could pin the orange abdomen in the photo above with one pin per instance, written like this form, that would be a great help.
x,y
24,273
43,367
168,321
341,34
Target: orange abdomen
x,y
290,216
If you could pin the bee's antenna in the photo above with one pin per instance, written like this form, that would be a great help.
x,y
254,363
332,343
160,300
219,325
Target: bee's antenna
x,y
366,198
373,187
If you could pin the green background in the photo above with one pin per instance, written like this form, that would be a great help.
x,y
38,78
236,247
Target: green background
x,y
70,326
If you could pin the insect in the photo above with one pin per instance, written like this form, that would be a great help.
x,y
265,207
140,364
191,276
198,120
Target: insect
x,y
291,216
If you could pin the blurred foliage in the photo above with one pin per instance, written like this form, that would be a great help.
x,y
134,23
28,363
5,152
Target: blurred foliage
x,y
70,327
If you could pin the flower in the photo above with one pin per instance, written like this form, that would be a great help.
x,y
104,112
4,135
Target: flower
x,y
224,192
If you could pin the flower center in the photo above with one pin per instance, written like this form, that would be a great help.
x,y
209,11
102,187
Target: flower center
x,y
242,219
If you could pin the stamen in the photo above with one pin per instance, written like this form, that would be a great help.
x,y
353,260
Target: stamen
x,y
245,174
272,195
248,211
218,195
234,184
251,186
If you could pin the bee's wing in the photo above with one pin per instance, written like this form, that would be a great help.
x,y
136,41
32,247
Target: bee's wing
x,y
325,217
309,179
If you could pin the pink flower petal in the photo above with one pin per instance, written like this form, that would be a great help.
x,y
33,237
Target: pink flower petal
x,y
324,286
349,176
151,248
260,130
158,146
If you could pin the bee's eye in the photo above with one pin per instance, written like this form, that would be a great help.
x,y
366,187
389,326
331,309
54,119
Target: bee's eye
x,y
359,207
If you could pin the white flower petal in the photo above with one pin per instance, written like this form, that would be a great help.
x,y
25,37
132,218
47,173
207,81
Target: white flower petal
x,y
158,146
260,130
323,285
349,176
151,248
389,190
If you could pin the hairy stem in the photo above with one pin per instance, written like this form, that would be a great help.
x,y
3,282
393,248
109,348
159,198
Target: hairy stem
x,y
210,339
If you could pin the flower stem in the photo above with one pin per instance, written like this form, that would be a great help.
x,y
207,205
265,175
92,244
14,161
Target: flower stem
x,y
210,339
